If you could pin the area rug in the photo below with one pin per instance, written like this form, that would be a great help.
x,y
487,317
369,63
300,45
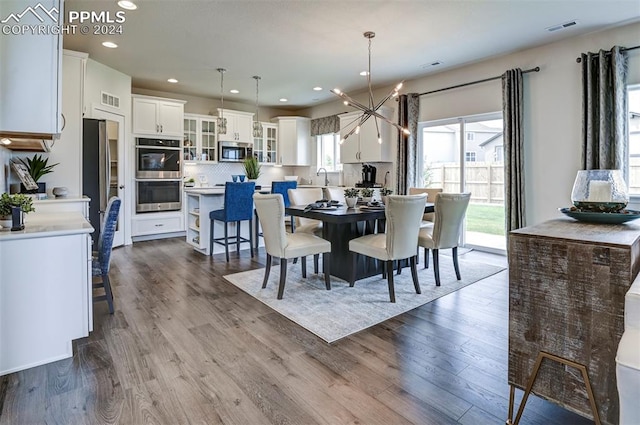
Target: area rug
x,y
342,311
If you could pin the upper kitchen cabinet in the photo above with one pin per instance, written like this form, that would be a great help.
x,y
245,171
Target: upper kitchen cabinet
x,y
364,146
31,68
294,135
200,141
239,126
157,116
265,148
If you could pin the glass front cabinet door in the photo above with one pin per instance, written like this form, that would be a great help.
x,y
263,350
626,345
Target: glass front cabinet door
x,y
265,148
200,138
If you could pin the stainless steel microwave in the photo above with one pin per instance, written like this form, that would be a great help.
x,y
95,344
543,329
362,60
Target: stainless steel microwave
x,y
234,151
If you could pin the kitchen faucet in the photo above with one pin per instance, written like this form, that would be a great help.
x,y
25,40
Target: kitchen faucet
x,y
326,179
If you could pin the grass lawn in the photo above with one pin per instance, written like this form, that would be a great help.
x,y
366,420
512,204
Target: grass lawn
x,y
485,218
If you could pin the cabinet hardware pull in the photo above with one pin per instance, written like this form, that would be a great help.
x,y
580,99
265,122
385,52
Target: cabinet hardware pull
x,y
159,225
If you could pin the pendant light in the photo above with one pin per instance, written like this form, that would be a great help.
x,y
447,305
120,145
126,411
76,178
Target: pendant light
x,y
372,109
222,121
257,126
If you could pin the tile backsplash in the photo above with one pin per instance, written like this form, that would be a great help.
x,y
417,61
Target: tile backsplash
x,y
221,172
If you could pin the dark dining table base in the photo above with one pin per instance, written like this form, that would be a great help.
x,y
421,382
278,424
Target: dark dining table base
x,y
341,261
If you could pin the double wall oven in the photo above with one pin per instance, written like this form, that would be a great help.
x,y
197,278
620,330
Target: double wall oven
x,y
158,175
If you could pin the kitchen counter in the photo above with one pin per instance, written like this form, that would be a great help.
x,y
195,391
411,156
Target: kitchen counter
x,y
47,225
45,289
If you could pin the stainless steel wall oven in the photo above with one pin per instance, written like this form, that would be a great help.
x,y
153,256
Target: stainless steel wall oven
x,y
158,175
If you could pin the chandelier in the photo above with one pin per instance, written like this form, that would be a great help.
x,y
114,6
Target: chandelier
x,y
372,109
257,126
222,121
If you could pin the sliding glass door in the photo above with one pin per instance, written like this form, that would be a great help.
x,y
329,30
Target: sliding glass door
x,y
465,154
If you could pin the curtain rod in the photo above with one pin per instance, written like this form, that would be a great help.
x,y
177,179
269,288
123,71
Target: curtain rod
x,y
624,49
536,69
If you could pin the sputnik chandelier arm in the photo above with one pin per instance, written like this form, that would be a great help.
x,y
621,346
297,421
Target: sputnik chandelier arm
x,y
371,110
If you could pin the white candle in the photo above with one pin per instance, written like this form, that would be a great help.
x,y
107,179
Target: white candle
x,y
600,191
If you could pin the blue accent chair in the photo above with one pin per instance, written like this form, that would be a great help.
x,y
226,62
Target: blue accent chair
x,y
238,207
102,258
281,187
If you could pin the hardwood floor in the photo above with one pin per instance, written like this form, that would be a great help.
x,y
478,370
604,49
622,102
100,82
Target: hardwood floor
x,y
187,347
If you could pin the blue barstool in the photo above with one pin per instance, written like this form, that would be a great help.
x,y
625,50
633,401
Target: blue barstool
x,y
238,207
281,187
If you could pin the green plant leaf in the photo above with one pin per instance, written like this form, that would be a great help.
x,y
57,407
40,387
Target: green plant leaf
x,y
38,166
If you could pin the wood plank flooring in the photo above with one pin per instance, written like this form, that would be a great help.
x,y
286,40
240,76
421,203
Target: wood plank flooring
x,y
187,347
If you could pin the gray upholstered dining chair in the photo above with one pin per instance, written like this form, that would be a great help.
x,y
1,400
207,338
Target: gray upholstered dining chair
x,y
403,215
450,209
306,196
427,218
280,244
335,194
101,260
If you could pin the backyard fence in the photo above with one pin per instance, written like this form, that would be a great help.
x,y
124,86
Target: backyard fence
x,y
485,180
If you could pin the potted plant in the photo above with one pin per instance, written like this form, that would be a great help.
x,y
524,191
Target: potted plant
x,y
384,192
37,166
251,168
351,196
366,193
24,202
189,182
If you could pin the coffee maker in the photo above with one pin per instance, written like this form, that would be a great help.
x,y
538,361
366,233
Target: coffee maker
x,y
368,177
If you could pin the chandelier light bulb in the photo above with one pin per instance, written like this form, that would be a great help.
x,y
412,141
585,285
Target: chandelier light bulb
x,y
358,129
406,131
341,140
399,86
336,91
379,139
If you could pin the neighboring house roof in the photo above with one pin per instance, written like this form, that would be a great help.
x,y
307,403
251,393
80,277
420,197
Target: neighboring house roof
x,y
490,139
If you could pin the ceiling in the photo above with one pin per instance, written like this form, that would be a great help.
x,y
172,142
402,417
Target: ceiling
x,y
297,45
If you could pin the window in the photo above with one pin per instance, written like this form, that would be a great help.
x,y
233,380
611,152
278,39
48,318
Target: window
x,y
328,153
470,157
634,139
471,137
498,153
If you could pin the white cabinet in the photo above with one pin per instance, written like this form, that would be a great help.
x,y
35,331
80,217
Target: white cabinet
x,y
198,224
156,223
265,148
239,126
30,71
364,146
157,116
294,135
200,138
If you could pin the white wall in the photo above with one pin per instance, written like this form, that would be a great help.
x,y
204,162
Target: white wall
x,y
553,101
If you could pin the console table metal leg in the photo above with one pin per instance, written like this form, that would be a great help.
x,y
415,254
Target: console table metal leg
x,y
536,368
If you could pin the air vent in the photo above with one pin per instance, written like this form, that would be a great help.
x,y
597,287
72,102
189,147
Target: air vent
x,y
110,100
432,64
562,26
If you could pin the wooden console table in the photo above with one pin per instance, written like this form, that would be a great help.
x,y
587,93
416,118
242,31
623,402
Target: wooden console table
x,y
567,282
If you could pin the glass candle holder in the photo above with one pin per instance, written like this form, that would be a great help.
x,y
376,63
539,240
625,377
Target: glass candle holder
x,y
600,191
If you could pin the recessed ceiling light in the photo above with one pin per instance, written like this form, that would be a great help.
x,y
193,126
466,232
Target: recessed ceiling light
x,y
364,73
283,99
234,91
110,44
172,80
126,4
317,88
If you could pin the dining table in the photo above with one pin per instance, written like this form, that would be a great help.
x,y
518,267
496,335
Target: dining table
x,y
341,224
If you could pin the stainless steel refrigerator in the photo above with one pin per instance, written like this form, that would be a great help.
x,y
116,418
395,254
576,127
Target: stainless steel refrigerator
x,y
96,170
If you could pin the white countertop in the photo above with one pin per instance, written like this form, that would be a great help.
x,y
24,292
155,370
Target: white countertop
x,y
61,200
47,225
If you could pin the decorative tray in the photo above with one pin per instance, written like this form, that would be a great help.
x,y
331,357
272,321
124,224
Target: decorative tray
x,y
601,217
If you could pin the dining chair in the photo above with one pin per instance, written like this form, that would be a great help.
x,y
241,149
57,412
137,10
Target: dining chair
x,y
450,209
306,196
403,214
101,260
238,207
427,218
335,194
280,244
281,187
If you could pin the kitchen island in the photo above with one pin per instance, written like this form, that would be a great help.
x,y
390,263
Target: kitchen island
x,y
45,289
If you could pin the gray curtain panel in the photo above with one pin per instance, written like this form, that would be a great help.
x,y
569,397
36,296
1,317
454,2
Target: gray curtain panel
x,y
407,153
604,111
325,125
512,113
